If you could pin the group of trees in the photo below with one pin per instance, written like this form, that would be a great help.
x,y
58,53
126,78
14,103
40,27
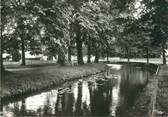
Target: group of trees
x,y
94,24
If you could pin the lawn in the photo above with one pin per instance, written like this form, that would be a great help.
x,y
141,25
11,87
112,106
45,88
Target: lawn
x,y
20,80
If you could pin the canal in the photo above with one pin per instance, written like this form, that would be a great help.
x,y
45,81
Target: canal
x,y
111,93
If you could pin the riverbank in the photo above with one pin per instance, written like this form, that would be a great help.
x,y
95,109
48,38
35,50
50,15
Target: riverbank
x,y
144,103
157,61
21,80
161,107
153,100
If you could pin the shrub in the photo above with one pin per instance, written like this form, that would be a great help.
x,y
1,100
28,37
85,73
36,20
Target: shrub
x,y
16,56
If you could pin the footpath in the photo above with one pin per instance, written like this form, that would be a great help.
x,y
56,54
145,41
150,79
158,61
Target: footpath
x,y
161,107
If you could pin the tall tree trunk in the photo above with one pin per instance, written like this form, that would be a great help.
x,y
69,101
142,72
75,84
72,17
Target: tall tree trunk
x,y
89,53
79,45
97,56
61,60
163,53
2,65
69,53
128,56
61,57
107,54
22,36
23,51
147,55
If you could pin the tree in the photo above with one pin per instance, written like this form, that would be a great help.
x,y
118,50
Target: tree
x,y
156,14
2,66
20,22
59,23
126,38
55,19
144,39
89,44
4,10
79,42
43,17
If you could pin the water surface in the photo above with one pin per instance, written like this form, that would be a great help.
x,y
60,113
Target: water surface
x,y
111,93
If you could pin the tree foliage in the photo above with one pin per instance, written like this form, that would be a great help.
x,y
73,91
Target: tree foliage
x,y
96,24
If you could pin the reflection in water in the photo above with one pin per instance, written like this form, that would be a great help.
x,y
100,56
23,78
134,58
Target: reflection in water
x,y
107,94
115,97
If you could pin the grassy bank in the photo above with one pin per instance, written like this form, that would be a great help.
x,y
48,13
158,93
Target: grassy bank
x,y
144,103
20,80
153,100
162,92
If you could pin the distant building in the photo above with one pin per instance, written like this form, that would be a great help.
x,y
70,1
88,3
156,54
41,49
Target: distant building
x,y
166,52
166,49
6,57
32,56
